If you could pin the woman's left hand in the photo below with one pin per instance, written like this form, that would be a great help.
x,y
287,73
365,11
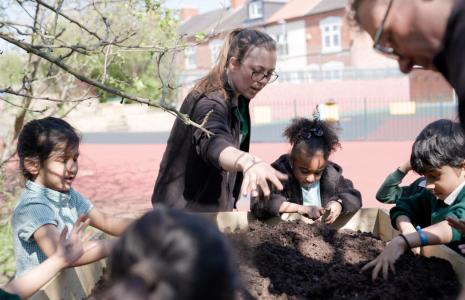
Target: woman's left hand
x,y
387,258
334,209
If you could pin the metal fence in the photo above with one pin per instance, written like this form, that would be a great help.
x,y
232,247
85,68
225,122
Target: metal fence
x,y
366,119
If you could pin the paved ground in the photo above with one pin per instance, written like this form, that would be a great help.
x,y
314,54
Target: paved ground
x,y
119,178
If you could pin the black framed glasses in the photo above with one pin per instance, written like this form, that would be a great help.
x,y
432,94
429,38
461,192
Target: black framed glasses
x,y
259,76
388,51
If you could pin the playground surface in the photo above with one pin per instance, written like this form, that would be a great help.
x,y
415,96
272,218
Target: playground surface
x,y
119,178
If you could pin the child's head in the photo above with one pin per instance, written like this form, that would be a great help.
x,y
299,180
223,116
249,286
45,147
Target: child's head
x,y
171,254
248,57
48,149
438,153
312,142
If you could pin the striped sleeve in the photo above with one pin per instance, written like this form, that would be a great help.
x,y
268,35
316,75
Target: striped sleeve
x,y
30,217
83,205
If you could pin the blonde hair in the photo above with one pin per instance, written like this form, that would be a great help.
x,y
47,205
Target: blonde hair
x,y
238,44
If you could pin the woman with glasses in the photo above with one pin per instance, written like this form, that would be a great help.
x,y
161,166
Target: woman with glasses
x,y
208,169
315,184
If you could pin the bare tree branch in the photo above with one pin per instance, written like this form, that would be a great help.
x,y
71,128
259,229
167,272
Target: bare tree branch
x,y
167,108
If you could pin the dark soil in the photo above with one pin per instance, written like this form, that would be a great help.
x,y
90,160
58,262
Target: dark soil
x,y
294,260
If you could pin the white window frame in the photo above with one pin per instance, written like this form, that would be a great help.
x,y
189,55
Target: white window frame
x,y
331,36
255,9
215,47
282,44
190,59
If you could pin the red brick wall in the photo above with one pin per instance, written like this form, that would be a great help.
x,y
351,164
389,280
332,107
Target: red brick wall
x,y
429,86
312,27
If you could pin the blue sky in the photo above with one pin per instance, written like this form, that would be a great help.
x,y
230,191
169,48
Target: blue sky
x,y
201,5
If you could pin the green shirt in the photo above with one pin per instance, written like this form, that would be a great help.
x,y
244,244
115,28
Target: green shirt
x,y
242,114
424,209
7,296
390,190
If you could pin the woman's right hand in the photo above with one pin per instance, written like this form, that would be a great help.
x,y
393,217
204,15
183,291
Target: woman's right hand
x,y
257,175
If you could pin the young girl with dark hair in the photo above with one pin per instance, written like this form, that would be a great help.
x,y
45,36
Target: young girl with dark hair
x,y
48,151
206,172
315,184
172,255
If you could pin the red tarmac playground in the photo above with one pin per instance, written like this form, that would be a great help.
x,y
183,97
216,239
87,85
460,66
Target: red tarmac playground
x,y
120,178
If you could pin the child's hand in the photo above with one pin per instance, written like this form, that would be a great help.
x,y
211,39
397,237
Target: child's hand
x,y
410,229
385,261
71,249
457,224
333,209
405,167
312,212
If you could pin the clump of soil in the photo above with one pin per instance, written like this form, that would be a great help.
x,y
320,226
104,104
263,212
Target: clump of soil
x,y
294,260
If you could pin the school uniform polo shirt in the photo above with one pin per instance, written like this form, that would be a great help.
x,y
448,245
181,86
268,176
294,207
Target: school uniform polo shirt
x,y
39,206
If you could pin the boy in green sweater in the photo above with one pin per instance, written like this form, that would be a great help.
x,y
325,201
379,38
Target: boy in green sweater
x,y
439,155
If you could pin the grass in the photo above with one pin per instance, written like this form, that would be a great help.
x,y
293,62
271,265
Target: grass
x,y
7,257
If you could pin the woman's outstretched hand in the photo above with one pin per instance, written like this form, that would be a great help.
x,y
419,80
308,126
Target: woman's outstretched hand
x,y
256,177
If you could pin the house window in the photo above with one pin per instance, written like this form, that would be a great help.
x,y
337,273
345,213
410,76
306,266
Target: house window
x,y
331,34
281,41
255,10
190,57
215,47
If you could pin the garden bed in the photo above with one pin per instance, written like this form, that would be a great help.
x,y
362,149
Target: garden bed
x,y
295,260
77,283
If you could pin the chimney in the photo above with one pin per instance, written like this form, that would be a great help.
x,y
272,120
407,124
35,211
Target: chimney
x,y
187,13
237,3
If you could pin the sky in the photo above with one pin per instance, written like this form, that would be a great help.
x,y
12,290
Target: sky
x,y
201,5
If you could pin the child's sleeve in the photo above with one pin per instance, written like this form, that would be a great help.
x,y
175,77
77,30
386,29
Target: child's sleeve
x,y
83,205
263,209
30,217
390,191
457,211
351,197
416,207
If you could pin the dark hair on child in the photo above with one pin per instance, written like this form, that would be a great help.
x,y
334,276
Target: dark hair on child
x,y
314,134
440,143
39,138
171,254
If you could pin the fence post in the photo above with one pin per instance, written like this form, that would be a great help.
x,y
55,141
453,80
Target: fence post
x,y
365,118
295,108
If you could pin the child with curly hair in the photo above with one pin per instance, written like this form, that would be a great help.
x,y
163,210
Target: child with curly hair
x,y
315,183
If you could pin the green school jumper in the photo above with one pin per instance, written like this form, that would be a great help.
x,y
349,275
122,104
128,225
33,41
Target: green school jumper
x,y
424,209
390,191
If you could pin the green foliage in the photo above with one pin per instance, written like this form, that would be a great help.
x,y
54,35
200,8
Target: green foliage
x,y
12,66
7,257
9,190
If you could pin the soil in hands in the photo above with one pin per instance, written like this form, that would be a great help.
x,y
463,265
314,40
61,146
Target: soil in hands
x,y
294,260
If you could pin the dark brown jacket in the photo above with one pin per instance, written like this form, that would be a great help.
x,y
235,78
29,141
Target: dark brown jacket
x,y
332,186
190,175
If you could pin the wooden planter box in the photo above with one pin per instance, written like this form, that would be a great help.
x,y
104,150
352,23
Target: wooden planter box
x,y
77,283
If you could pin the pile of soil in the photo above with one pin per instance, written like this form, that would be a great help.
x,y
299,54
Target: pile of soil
x,y
294,260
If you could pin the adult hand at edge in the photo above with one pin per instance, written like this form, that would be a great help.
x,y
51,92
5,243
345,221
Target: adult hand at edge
x,y
257,176
457,224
